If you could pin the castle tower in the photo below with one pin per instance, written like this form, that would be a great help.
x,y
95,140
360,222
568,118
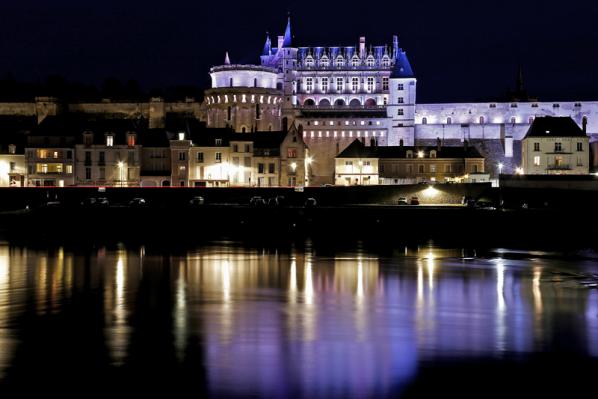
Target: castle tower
x,y
244,97
402,101
288,74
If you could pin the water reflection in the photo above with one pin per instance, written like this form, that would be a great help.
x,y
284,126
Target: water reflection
x,y
270,322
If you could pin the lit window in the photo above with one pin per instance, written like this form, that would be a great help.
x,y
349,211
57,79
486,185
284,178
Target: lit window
x,y
69,169
218,157
109,141
536,161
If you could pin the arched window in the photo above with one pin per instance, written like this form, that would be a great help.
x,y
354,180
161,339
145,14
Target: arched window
x,y
424,121
340,61
355,61
309,103
339,102
231,82
449,120
433,154
243,129
482,120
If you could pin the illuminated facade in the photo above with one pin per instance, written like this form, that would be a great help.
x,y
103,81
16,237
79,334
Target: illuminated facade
x,y
359,164
555,146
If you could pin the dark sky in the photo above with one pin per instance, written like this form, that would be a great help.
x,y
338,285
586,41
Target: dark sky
x,y
460,50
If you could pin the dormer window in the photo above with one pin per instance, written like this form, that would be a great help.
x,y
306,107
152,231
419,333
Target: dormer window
x,y
181,136
433,154
309,61
218,142
324,61
409,154
87,139
12,149
385,61
355,61
109,140
370,61
340,61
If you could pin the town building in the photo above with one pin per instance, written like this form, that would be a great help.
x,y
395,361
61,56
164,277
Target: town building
x,y
13,131
359,164
555,146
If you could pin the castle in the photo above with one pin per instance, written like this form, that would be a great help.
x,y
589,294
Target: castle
x,y
335,95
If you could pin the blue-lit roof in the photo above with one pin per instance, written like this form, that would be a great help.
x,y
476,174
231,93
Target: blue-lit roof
x,y
402,68
287,35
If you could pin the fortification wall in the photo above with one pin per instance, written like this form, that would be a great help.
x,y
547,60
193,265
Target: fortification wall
x,y
20,109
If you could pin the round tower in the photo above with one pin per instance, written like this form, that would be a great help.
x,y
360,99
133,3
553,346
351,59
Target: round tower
x,y
244,97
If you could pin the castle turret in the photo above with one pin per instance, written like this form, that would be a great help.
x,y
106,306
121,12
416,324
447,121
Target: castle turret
x,y
401,107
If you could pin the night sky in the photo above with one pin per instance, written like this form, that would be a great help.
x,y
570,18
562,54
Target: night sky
x,y
460,50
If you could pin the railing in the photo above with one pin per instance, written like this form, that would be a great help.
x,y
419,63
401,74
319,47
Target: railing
x,y
559,167
343,107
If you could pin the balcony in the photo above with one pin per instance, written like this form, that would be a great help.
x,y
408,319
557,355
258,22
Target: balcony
x,y
559,167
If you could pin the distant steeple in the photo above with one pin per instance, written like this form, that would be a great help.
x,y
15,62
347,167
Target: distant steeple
x,y
226,59
402,68
287,34
268,45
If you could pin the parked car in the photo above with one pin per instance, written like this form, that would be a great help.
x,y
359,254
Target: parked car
x,y
311,203
88,202
102,202
257,202
276,201
414,201
402,201
137,202
197,201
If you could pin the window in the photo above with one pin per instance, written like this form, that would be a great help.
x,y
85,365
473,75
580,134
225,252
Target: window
x,y
558,147
235,148
432,168
102,173
247,147
324,85
355,84
309,84
385,61
537,160
87,139
200,157
355,61
13,166
309,61
400,100
513,120
87,173
218,157
348,163
87,157
370,61
109,140
258,111
401,112
384,83
409,154
401,86
558,161
271,168
579,146
229,113
370,83
340,85
43,154
536,146
260,168
182,156
131,140
449,120
448,168
482,120
424,121
421,168
291,153
69,169
218,142
340,61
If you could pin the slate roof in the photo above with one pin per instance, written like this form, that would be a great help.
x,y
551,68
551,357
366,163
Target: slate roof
x,y
549,126
402,68
358,150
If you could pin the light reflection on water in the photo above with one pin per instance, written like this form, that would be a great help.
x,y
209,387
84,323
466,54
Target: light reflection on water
x,y
269,322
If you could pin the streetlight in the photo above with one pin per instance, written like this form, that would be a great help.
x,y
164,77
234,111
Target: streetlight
x,y
500,166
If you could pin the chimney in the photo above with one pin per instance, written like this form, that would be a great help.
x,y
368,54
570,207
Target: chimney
x,y
280,42
465,145
362,47
438,144
401,143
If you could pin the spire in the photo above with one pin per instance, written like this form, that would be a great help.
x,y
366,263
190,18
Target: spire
x,y
395,46
287,34
226,59
268,45
402,67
